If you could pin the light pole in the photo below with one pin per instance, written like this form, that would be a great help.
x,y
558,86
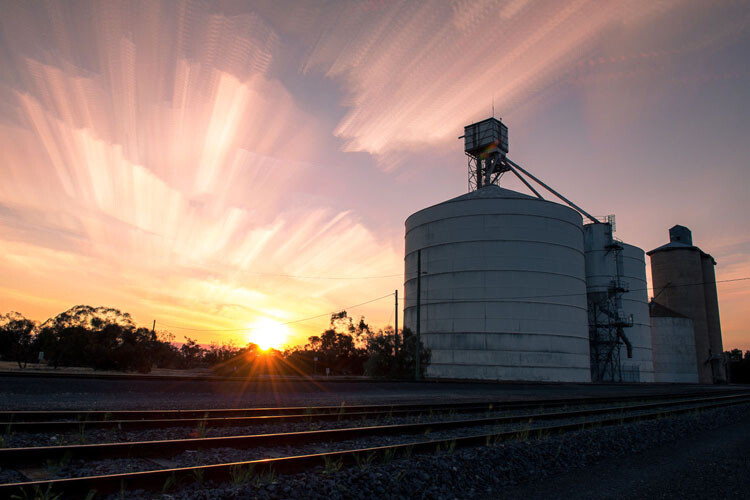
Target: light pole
x,y
417,374
395,329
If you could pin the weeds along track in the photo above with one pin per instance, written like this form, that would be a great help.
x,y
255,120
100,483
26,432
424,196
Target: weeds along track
x,y
152,465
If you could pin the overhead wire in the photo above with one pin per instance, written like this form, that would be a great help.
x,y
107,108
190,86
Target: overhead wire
x,y
322,277
284,323
427,301
577,294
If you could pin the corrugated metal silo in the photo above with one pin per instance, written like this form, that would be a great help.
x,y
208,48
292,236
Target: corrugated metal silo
x,y
617,298
635,303
503,292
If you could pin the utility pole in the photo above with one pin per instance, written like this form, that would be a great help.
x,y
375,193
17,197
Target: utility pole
x,y
395,328
417,374
153,328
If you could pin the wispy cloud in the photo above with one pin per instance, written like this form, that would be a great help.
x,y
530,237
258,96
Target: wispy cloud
x,y
164,155
200,162
415,79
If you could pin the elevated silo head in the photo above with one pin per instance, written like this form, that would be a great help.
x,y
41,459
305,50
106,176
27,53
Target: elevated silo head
x,y
680,234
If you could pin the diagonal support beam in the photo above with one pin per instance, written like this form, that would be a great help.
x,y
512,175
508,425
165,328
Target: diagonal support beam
x,y
525,181
573,205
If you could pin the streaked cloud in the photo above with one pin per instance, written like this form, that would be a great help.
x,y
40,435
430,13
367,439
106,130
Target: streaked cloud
x,y
419,71
202,162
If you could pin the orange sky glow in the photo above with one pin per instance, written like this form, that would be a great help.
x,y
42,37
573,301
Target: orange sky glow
x,y
230,168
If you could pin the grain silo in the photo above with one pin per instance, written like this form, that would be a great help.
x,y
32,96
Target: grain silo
x,y
619,323
684,281
495,279
673,344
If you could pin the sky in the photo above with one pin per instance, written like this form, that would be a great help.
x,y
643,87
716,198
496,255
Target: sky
x,y
225,167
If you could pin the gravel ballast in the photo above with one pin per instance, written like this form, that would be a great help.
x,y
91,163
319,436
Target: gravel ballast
x,y
482,472
19,393
13,438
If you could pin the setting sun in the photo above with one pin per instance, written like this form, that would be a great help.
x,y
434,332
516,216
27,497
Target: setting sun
x,y
268,333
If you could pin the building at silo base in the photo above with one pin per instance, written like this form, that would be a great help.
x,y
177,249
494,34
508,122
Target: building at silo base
x,y
617,295
673,345
502,292
684,281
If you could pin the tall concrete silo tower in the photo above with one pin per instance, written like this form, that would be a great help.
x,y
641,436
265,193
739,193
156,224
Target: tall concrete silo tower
x,y
494,279
684,281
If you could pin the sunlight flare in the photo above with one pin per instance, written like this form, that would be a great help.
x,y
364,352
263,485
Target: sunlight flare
x,y
268,333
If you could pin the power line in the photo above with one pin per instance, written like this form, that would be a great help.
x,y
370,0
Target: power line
x,y
507,299
425,301
285,323
323,277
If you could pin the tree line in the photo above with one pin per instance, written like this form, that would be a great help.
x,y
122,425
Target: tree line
x,y
738,366
104,338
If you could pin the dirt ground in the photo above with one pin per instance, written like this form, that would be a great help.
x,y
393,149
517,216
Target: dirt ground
x,y
81,391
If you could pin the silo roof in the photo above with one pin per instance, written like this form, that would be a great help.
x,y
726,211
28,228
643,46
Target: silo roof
x,y
657,310
675,245
484,199
491,191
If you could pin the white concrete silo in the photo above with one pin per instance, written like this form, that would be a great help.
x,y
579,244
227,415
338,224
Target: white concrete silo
x,y
673,341
617,298
503,291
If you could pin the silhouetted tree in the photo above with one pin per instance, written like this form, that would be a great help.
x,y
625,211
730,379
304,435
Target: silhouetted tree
x,y
383,362
338,350
105,338
165,353
98,337
739,366
16,338
217,354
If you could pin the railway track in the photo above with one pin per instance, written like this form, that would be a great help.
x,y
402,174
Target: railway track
x,y
74,420
560,422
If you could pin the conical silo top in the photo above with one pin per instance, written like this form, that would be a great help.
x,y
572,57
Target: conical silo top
x,y
680,238
493,199
492,191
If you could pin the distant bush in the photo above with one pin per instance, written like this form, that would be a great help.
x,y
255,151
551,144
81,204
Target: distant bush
x,y
104,338
384,361
16,338
739,366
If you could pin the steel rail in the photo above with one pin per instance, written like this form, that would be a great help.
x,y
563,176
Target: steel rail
x,y
214,422
161,448
161,480
14,417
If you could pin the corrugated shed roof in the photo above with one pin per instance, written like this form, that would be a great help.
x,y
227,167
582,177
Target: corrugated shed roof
x,y
657,310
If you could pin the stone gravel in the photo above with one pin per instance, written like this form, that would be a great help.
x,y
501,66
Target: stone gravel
x,y
78,468
10,476
481,472
14,439
47,393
